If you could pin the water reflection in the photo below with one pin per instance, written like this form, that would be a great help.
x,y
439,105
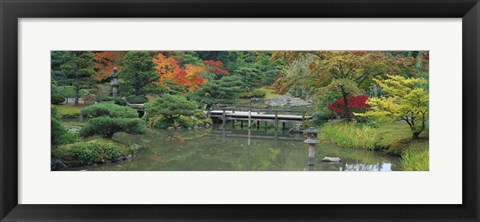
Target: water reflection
x,y
231,149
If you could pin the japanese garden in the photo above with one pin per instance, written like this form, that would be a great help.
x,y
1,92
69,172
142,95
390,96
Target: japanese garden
x,y
240,110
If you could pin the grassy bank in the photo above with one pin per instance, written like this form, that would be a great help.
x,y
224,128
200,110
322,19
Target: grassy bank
x,y
350,136
394,138
69,110
416,156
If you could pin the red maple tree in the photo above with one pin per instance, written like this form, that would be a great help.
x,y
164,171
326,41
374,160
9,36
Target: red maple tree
x,y
215,67
354,104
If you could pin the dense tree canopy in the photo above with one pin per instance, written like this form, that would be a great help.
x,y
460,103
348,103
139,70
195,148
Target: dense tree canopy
x,y
347,72
138,72
74,69
225,90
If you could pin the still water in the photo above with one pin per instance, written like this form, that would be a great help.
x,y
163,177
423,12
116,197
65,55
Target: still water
x,y
240,150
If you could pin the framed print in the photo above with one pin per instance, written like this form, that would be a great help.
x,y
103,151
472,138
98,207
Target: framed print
x,y
224,110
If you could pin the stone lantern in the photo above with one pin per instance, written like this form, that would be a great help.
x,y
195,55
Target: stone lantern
x,y
114,82
311,141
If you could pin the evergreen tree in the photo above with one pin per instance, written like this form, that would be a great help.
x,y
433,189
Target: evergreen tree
x,y
171,107
74,69
59,134
251,76
138,72
224,90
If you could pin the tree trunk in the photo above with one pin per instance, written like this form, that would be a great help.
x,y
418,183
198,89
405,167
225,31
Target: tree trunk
x,y
416,135
208,107
77,95
345,106
137,91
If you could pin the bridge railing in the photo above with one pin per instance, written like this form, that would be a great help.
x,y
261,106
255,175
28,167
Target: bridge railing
x,y
273,115
275,112
265,110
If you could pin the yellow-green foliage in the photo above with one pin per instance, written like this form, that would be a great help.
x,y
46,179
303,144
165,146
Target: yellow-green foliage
x,y
406,99
350,136
416,157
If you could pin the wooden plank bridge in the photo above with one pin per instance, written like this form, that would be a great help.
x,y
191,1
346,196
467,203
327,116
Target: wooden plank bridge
x,y
258,115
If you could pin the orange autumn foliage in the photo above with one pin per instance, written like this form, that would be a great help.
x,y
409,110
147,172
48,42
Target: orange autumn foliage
x,y
189,76
106,61
193,77
166,67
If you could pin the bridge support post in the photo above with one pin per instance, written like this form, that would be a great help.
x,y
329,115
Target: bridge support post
x,y
303,119
276,120
223,119
241,124
258,125
283,125
249,118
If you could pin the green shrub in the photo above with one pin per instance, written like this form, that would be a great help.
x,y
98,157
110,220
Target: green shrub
x,y
108,109
99,151
350,135
119,101
116,101
199,114
321,117
71,116
59,134
207,121
158,122
103,98
137,99
107,126
186,122
416,160
257,93
107,118
57,99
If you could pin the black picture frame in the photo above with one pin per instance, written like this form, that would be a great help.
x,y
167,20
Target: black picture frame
x,y
11,11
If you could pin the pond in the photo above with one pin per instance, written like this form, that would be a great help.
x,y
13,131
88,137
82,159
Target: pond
x,y
235,149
